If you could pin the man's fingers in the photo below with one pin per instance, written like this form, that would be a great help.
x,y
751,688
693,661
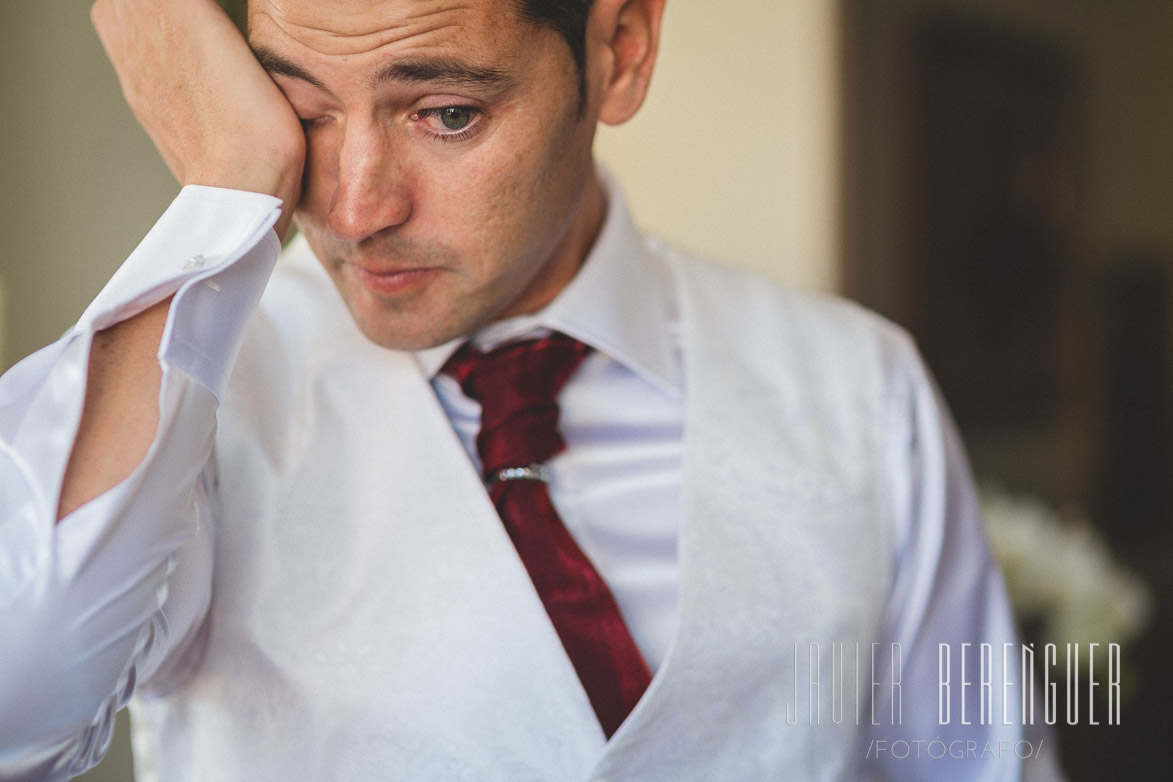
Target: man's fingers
x,y
102,18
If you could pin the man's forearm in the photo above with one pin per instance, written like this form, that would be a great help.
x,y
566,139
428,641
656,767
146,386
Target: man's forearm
x,y
121,408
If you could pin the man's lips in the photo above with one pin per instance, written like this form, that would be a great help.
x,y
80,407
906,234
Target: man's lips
x,y
391,282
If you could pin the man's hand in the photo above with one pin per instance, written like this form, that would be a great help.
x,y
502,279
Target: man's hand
x,y
210,108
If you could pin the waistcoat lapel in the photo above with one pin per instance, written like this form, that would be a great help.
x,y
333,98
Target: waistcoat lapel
x,y
778,552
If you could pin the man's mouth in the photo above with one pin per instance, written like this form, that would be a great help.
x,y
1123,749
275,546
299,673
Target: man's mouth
x,y
390,282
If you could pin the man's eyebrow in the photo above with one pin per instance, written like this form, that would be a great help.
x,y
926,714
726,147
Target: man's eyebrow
x,y
276,64
448,72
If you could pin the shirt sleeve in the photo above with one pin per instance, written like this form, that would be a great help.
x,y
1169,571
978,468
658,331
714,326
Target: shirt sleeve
x,y
114,593
952,646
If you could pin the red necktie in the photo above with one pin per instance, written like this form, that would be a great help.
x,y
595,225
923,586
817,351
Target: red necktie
x,y
517,385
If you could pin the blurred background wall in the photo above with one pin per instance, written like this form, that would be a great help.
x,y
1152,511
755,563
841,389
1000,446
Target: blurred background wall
x,y
81,181
1009,199
994,175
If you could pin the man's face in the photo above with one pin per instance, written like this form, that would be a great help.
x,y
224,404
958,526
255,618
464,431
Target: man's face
x,y
448,178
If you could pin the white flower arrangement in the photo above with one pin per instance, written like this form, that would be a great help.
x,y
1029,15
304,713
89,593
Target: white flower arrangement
x,y
1060,573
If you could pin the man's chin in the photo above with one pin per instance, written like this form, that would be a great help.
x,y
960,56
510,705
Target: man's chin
x,y
408,333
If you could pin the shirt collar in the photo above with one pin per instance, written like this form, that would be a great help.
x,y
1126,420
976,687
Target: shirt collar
x,y
621,303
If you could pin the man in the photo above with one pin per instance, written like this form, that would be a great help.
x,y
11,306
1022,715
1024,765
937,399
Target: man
x,y
271,519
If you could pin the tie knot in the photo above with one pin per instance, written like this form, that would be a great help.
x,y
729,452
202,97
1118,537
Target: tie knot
x,y
517,385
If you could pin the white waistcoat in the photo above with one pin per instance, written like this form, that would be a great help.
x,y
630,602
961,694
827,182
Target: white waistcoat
x,y
371,620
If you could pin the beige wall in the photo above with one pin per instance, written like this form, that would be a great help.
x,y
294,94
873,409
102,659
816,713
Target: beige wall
x,y
736,154
79,181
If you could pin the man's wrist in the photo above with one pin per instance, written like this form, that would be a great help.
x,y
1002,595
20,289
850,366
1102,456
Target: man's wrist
x,y
267,174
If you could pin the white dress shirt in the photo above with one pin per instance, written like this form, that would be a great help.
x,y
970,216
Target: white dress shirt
x,y
243,613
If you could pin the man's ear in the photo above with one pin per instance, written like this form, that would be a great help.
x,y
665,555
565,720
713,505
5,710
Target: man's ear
x,y
624,37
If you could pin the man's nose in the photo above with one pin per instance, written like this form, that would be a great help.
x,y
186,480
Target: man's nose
x,y
373,190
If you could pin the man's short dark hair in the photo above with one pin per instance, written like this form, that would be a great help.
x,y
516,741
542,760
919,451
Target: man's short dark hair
x,y
568,18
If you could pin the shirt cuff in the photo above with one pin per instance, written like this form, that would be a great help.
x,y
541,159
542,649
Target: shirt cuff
x,y
213,249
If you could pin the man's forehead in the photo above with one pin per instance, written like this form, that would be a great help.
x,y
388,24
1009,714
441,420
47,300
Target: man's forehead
x,y
468,28
383,42
365,17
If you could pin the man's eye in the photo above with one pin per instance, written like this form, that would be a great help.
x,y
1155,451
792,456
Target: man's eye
x,y
451,123
456,117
